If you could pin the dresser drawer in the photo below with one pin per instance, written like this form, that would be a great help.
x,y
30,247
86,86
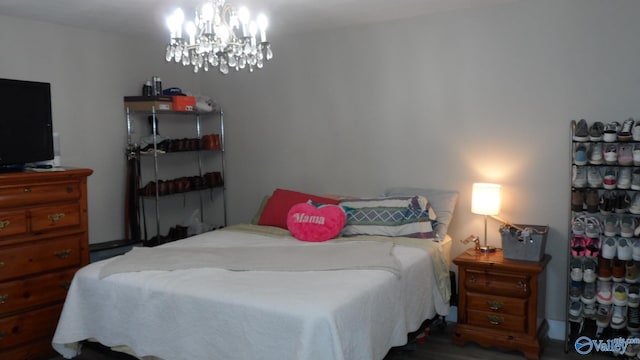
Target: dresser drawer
x,y
19,329
54,217
496,304
25,293
13,223
499,283
496,320
41,256
30,194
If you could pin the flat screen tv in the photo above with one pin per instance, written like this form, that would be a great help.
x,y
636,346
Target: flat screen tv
x,y
26,130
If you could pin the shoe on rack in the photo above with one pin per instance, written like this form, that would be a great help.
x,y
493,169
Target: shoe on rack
x,y
635,179
594,178
633,321
611,132
631,273
604,269
576,269
604,295
619,317
592,228
610,154
607,203
588,294
626,131
575,291
596,131
603,318
618,271
589,311
592,247
625,154
636,131
634,206
595,154
633,295
575,311
609,181
577,246
609,248
628,225
636,248
623,202
611,225
589,271
624,178
581,132
620,295
577,199
578,224
624,250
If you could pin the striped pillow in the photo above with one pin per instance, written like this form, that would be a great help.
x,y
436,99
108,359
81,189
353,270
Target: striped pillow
x,y
408,216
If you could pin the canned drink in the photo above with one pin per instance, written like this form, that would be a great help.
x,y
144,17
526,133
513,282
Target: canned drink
x,y
156,83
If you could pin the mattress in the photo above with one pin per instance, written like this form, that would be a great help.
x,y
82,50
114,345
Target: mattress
x,y
214,313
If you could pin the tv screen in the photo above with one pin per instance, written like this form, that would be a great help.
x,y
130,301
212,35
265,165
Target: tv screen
x,y
26,130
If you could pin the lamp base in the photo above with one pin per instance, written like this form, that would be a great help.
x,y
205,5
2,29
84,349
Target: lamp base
x,y
487,249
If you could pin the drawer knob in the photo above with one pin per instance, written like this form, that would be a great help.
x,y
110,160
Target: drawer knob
x,y
472,278
27,189
495,305
4,224
4,298
55,218
65,284
522,285
495,320
63,254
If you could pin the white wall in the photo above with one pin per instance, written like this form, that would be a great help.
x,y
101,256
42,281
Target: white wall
x,y
442,101
438,101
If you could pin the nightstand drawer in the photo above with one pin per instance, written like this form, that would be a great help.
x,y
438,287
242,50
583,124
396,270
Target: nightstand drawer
x,y
495,282
13,223
41,256
53,217
496,320
25,293
497,304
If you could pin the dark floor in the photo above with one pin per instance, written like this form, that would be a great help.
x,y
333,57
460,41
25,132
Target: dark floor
x,y
437,345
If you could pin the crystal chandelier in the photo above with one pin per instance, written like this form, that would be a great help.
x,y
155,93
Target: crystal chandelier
x,y
218,37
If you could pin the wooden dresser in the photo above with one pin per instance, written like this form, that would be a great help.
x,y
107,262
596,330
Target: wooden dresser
x,y
501,302
43,241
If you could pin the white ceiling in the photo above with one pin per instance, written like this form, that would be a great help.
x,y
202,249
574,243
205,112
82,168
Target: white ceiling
x,y
147,17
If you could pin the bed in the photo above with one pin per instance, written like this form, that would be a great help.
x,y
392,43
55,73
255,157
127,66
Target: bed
x,y
272,311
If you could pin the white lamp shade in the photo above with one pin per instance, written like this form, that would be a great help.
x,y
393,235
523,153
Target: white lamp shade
x,y
485,199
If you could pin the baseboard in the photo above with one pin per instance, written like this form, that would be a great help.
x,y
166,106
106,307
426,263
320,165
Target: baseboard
x,y
557,330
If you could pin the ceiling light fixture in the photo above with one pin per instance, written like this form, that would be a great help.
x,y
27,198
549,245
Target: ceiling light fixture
x,y
219,36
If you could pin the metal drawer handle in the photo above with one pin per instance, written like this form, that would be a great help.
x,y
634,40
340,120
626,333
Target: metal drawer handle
x,y
63,254
522,285
472,278
495,305
55,218
4,298
495,320
65,284
4,224
27,189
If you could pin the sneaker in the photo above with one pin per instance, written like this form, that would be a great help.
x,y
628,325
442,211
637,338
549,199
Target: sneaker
x,y
620,295
634,207
581,132
609,181
589,271
577,246
592,247
611,225
631,274
580,155
604,269
610,154
624,251
633,321
636,152
636,131
618,271
596,131
628,225
625,154
575,311
578,224
589,311
635,254
594,178
588,295
626,132
633,296
603,318
607,203
577,199
623,202
575,291
635,179
576,269
609,248
619,317
604,295
624,178
595,154
611,132
593,229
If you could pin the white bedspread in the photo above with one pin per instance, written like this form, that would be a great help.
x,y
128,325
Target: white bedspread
x,y
211,313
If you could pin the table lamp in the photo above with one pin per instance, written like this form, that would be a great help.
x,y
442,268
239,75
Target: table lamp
x,y
485,200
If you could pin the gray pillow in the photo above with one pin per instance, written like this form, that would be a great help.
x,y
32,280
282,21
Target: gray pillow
x,y
443,202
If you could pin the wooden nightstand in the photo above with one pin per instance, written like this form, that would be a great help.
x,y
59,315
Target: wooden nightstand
x,y
501,302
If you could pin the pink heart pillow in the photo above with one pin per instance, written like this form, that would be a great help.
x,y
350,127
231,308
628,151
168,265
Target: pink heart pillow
x,y
309,223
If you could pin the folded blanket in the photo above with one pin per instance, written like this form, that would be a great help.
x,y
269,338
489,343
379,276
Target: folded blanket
x,y
304,257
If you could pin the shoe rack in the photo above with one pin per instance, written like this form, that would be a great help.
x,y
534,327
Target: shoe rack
x,y
603,281
180,160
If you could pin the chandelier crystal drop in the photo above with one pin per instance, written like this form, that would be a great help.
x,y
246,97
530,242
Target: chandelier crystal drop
x,y
219,37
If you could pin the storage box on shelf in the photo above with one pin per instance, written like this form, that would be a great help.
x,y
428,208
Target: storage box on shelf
x,y
603,265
